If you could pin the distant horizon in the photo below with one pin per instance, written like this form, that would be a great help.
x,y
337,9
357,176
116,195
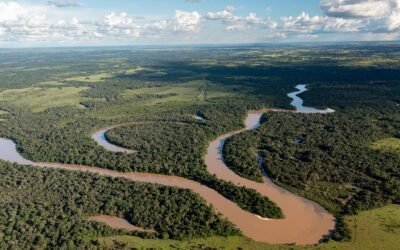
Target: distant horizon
x,y
70,23
204,45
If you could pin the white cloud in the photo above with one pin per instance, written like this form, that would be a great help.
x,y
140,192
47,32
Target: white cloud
x,y
378,15
23,22
186,21
11,11
304,23
359,8
118,25
236,23
393,21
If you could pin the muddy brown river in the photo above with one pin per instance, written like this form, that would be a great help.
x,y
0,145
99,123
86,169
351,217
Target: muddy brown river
x,y
305,222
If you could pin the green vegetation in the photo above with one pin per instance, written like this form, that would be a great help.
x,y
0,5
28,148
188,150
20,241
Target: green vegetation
x,y
228,243
166,96
44,208
375,229
53,99
181,146
388,144
39,99
99,77
328,158
241,156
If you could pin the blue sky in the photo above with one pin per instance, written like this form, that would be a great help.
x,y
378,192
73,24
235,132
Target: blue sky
x,y
130,22
273,8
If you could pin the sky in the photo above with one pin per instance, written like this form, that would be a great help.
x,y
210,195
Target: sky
x,y
27,23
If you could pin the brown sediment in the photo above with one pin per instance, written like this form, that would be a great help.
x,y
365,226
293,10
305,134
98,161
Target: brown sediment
x,y
117,223
305,222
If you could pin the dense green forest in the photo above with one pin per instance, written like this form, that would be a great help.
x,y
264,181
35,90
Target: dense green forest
x,y
42,208
328,158
51,103
42,144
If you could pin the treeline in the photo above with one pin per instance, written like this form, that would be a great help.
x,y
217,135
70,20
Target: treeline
x,y
43,208
240,155
64,135
329,158
173,145
372,93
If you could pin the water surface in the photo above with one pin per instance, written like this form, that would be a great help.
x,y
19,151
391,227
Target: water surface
x,y
305,222
298,102
101,139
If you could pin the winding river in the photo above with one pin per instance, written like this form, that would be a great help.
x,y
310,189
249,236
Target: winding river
x,y
297,102
101,139
305,221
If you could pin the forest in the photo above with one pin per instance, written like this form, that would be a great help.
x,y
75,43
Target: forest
x,y
327,158
44,208
51,103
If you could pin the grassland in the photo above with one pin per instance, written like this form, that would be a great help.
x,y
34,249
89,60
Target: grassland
x,y
235,242
49,83
189,92
38,99
174,95
374,229
97,77
388,144
102,76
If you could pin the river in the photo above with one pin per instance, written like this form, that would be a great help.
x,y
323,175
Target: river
x,y
305,221
297,102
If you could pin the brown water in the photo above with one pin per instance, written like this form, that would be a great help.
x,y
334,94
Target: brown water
x,y
305,222
117,223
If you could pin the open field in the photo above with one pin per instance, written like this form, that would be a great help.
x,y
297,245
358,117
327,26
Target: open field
x,y
144,100
194,91
38,99
228,243
375,229
90,78
389,144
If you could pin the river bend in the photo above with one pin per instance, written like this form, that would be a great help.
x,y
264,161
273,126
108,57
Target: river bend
x,y
305,222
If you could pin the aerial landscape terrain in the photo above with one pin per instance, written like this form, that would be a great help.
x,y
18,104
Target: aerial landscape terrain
x,y
202,145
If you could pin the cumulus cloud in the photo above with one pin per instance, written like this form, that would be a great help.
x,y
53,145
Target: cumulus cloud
x,y
378,15
10,11
21,21
24,22
233,22
304,23
184,22
359,8
117,25
393,21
